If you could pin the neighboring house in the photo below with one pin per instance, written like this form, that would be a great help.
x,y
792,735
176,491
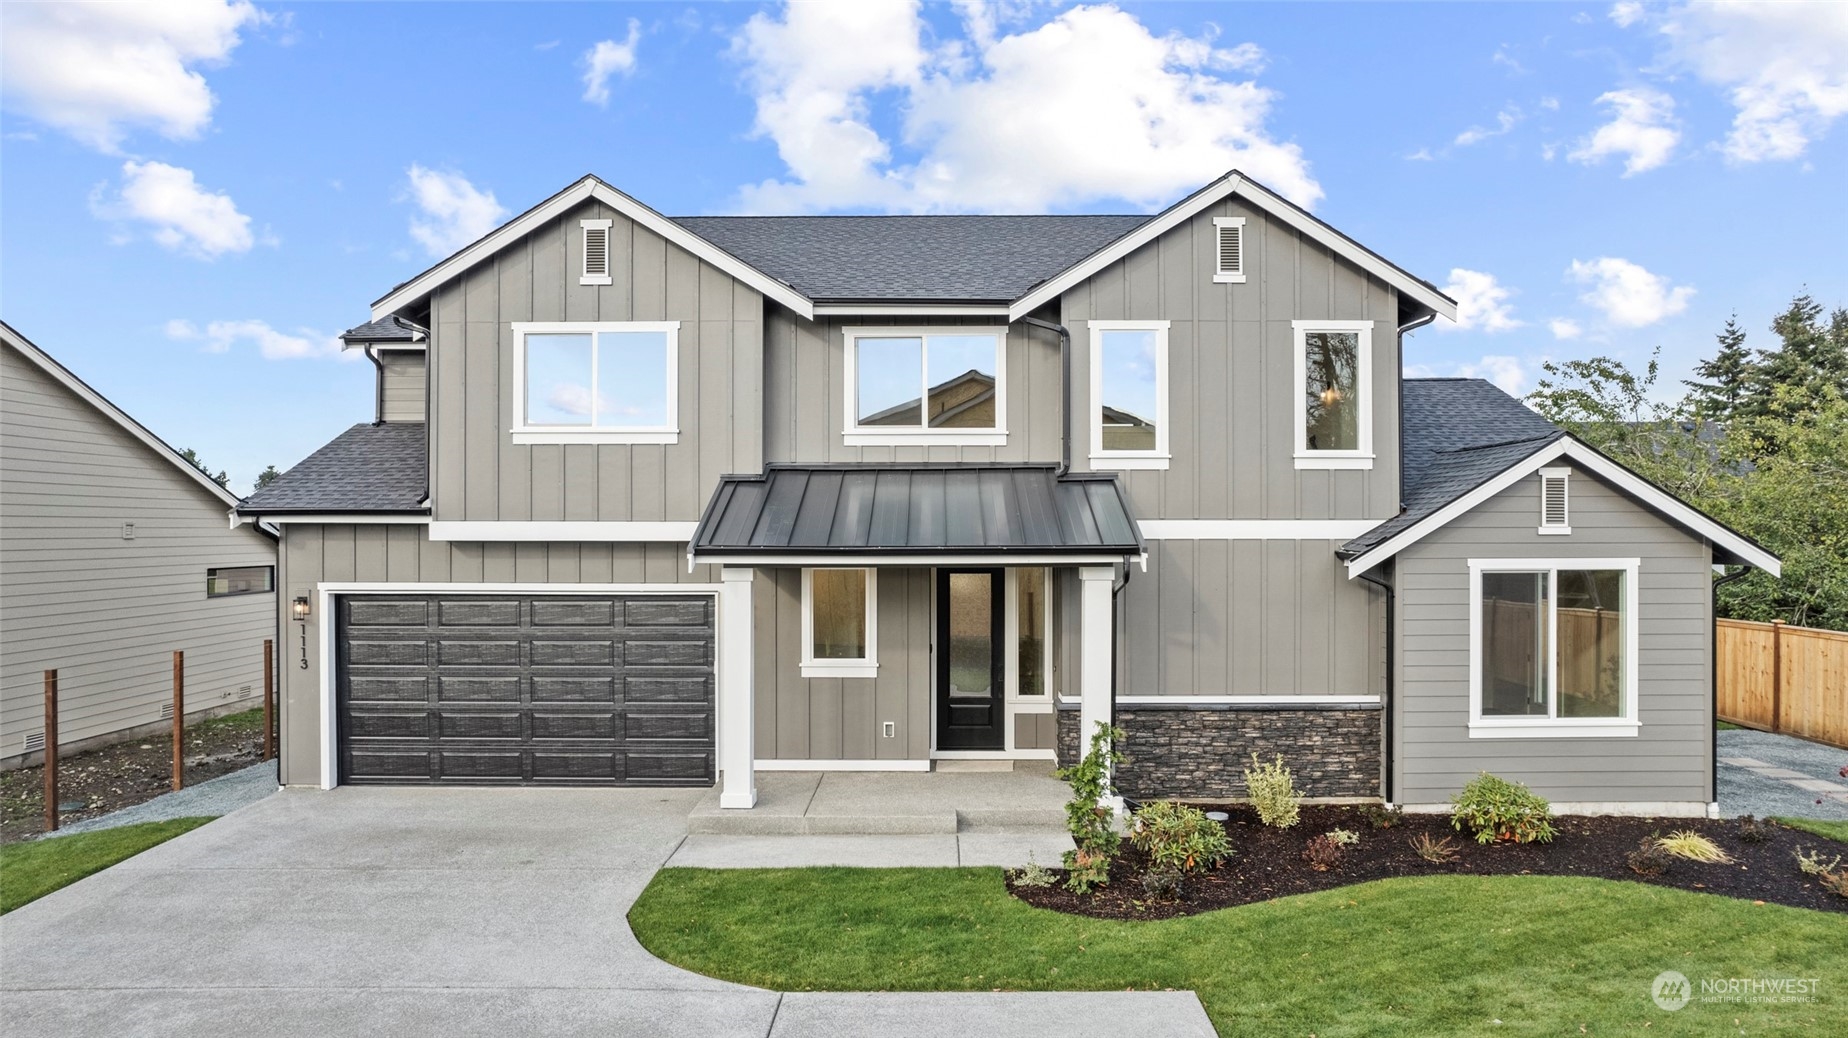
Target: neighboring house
x,y
684,500
114,553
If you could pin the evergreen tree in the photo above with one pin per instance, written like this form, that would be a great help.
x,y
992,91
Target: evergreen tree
x,y
266,477
1811,359
1726,377
221,478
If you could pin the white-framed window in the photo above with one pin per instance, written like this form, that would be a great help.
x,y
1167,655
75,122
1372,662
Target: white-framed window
x,y
1029,639
1129,394
596,252
840,623
1334,394
226,581
1552,648
1555,516
1229,249
596,382
926,385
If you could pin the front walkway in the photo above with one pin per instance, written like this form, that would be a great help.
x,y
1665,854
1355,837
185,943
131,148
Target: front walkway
x,y
453,912
1763,774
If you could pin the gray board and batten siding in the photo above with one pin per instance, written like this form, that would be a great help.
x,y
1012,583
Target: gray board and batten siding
x,y
479,474
104,609
1668,761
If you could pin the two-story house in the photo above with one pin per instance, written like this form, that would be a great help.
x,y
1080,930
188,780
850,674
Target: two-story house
x,y
674,501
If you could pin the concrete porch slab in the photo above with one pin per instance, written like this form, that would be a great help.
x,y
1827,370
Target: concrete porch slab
x,y
796,803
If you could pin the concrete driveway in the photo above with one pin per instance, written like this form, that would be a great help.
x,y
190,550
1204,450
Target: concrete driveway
x,y
404,912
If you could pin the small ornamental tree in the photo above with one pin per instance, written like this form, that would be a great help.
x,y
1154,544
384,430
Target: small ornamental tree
x,y
1092,824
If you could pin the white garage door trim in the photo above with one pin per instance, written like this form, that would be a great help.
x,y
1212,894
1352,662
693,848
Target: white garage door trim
x,y
323,607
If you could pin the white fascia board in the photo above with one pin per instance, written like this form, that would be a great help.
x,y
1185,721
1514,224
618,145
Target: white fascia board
x,y
64,377
1254,529
1261,197
672,532
588,188
1565,447
907,310
344,519
906,560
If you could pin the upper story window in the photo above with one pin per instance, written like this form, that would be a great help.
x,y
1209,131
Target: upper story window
x,y
945,386
1129,394
607,382
1229,245
1334,394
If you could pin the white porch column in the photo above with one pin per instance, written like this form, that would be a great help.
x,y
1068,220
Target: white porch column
x,y
737,699
1096,622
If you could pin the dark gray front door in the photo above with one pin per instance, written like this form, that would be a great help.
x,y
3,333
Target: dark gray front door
x,y
525,690
970,666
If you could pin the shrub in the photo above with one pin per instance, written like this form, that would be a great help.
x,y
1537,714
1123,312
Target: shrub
x,y
1033,875
1835,883
1694,847
1162,884
1751,830
1176,836
1092,825
1496,809
1344,837
1650,858
1380,816
1434,849
1272,792
1811,863
1322,852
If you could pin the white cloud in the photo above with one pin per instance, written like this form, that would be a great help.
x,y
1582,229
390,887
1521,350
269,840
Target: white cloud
x,y
93,70
1626,294
1482,302
1551,104
1784,67
1507,372
455,212
222,336
1089,105
609,58
1505,120
1564,328
1626,13
1642,129
1506,60
184,216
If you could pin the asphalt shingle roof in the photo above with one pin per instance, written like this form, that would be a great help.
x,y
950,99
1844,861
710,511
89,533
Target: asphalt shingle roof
x,y
385,329
1459,434
911,258
368,468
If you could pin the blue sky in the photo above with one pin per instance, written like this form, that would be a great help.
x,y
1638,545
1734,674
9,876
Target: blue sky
x,y
197,197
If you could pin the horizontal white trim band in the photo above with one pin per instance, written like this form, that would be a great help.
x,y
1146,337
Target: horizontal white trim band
x,y
841,765
671,532
345,519
653,437
1255,529
527,588
862,438
993,755
896,561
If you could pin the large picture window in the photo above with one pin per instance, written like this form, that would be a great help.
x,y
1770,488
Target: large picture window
x,y
613,382
1129,394
839,623
939,386
1334,394
1553,647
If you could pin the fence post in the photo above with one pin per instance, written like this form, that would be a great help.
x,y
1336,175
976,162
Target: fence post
x,y
1777,675
51,751
269,696
179,721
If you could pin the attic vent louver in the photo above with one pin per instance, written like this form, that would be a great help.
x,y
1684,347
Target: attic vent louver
x,y
1554,517
1231,248
596,252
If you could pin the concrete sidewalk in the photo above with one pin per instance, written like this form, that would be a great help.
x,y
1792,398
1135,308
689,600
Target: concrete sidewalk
x,y
442,912
1764,774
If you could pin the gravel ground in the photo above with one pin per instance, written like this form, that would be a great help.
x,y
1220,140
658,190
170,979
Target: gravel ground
x,y
1748,791
219,796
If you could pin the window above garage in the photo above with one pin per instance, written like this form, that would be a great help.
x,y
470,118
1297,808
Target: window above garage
x,y
603,382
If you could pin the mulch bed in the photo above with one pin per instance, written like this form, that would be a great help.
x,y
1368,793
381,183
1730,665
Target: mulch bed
x,y
1268,863
110,778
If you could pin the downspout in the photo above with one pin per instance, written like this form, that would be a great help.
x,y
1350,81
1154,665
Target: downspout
x,y
1713,687
1065,390
1389,702
378,387
1117,667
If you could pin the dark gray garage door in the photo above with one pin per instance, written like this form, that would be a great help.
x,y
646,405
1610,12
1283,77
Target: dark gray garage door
x,y
525,690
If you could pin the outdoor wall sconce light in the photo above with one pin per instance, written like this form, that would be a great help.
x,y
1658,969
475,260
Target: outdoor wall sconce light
x,y
300,608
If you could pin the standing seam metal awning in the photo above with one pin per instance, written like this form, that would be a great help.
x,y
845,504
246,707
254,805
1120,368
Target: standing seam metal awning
x,y
955,509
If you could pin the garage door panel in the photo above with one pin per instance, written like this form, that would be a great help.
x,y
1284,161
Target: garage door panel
x,y
580,690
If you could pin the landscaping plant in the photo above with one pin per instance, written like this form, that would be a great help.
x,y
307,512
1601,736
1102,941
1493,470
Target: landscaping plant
x,y
1322,852
1434,849
1835,883
1694,847
1496,809
1179,837
1092,825
1273,793
1751,830
1344,837
1033,875
1380,816
1650,858
1811,863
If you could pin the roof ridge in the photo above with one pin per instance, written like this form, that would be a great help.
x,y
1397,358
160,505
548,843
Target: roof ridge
x,y
1555,434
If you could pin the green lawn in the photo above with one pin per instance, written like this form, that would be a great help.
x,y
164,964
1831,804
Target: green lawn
x,y
1512,955
1726,726
1826,830
29,871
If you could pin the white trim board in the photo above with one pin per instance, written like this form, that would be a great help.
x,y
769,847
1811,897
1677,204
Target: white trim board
x,y
635,531
781,764
1683,515
1260,197
1255,529
913,560
588,188
339,519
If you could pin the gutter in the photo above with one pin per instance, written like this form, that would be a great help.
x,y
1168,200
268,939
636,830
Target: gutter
x,y
1713,689
1387,701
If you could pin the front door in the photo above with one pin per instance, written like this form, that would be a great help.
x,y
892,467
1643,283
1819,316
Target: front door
x,y
970,665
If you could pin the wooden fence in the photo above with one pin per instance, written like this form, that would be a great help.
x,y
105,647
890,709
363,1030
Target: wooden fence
x,y
1778,678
